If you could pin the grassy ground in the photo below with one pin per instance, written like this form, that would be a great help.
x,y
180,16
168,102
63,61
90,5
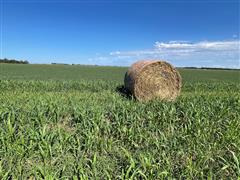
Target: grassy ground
x,y
71,122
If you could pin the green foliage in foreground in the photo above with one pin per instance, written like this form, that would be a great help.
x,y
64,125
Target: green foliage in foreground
x,y
86,129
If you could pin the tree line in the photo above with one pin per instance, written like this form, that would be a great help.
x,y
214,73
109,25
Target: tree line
x,y
13,61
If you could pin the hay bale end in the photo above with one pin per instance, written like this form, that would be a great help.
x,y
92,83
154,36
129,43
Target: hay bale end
x,y
148,80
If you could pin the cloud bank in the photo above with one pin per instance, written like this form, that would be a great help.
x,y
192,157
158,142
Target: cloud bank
x,y
182,53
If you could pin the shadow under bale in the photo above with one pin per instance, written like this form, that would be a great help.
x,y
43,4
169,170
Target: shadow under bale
x,y
124,92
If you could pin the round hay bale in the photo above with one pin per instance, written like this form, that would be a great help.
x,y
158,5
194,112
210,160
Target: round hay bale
x,y
148,80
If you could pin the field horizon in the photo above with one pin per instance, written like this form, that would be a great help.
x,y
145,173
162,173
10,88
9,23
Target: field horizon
x,y
73,72
77,64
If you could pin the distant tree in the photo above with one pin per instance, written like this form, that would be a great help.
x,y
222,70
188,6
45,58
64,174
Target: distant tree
x,y
13,61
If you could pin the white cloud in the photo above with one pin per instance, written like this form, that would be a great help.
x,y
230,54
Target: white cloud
x,y
183,47
184,53
199,46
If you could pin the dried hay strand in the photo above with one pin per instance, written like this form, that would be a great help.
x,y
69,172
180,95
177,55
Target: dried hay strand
x,y
148,80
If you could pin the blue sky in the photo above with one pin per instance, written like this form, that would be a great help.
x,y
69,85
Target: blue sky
x,y
104,32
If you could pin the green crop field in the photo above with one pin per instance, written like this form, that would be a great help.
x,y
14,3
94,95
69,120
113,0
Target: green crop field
x,y
63,121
